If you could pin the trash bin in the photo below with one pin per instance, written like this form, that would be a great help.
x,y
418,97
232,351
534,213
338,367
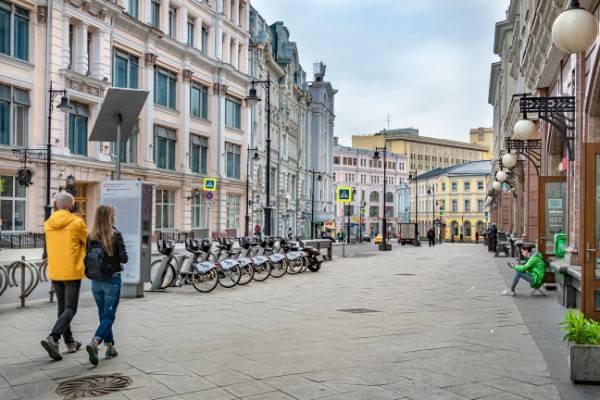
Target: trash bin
x,y
560,244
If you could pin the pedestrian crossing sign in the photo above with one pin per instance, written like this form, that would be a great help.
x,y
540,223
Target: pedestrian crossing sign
x,y
210,184
343,194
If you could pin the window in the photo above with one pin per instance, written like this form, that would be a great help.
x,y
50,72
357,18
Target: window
x,y
125,70
467,186
78,128
190,31
14,116
467,204
233,160
336,160
232,113
172,22
443,186
373,211
374,196
12,204
71,37
164,147
199,101
199,219
454,205
480,185
198,154
129,148
133,8
165,84
155,13
389,197
165,209
14,31
479,205
204,39
454,186
233,211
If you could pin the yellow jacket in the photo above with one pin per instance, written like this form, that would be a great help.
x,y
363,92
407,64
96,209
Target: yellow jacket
x,y
66,235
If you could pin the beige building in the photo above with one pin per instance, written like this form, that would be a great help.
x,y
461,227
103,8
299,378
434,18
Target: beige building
x,y
426,153
192,56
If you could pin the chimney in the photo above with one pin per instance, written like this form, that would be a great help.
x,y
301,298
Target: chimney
x,y
319,71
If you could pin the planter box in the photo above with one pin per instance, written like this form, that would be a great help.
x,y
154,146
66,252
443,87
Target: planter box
x,y
584,363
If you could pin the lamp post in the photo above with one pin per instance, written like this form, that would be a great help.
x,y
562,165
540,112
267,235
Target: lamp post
x,y
348,222
384,244
252,100
64,106
413,175
431,192
360,220
254,157
312,206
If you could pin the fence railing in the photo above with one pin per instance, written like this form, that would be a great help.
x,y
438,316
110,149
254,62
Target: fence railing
x,y
25,275
24,240
180,236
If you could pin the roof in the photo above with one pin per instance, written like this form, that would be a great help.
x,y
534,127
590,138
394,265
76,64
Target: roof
x,y
408,135
478,168
369,152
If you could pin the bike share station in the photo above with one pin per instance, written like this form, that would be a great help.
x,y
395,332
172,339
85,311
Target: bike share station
x,y
132,199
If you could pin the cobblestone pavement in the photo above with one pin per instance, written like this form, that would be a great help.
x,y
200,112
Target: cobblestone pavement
x,y
439,330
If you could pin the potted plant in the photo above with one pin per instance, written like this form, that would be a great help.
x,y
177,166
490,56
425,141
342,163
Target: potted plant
x,y
583,336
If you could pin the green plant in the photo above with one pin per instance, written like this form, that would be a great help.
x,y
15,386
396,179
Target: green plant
x,y
580,330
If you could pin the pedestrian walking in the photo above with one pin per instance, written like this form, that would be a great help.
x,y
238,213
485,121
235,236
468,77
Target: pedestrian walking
x,y
477,237
431,237
65,247
103,265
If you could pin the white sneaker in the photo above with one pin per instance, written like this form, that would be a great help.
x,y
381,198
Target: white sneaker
x,y
508,292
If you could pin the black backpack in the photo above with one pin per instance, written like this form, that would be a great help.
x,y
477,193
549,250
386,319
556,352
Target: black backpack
x,y
97,266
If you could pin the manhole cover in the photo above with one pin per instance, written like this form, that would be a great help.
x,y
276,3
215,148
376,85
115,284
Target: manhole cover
x,y
358,310
92,386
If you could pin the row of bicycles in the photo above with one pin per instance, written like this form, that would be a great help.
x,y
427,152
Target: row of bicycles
x,y
230,262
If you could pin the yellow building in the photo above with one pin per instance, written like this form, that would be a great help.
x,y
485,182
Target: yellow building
x,y
485,137
427,153
454,198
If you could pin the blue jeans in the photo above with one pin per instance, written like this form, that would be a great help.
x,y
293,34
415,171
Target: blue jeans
x,y
520,275
106,293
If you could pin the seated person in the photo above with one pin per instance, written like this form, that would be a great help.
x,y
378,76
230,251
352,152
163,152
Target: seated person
x,y
532,271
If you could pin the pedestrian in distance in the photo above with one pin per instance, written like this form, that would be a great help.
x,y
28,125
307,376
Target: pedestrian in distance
x,y
103,265
431,237
477,237
65,235
532,271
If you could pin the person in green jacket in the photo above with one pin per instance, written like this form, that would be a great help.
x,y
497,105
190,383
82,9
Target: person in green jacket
x,y
532,271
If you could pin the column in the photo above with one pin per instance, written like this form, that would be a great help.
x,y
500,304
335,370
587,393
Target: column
x,y
185,147
66,44
182,16
81,53
235,13
149,60
225,52
244,63
234,54
164,16
198,34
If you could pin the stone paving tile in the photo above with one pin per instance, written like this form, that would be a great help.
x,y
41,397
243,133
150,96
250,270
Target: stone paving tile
x,y
301,388
184,384
249,388
473,390
270,396
210,394
529,391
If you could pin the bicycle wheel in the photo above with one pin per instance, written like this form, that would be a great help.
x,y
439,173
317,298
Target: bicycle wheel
x,y
247,274
205,282
169,275
279,269
262,272
315,267
230,277
295,266
305,263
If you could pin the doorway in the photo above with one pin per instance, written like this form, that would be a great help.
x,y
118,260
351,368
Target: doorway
x,y
552,211
591,232
81,200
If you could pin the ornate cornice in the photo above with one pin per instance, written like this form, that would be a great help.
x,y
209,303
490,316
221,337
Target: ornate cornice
x,y
150,59
42,14
188,74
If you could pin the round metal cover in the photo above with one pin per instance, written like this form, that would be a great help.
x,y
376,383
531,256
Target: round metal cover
x,y
92,386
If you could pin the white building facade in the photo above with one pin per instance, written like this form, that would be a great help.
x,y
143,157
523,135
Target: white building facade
x,y
358,169
191,56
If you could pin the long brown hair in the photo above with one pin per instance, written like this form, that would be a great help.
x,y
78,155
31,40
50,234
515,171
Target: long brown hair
x,y
102,230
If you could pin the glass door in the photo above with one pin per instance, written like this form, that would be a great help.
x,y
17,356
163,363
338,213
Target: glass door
x,y
591,234
552,211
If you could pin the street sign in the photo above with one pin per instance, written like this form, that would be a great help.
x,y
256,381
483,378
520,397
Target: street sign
x,y
210,184
343,194
209,196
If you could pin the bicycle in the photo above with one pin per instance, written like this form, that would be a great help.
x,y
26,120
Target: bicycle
x,y
169,274
202,274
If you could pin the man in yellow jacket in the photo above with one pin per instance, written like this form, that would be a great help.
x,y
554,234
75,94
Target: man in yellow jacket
x,y
66,236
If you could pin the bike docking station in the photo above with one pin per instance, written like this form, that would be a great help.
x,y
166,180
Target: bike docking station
x,y
132,199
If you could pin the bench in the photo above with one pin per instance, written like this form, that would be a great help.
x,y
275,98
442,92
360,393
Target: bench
x,y
502,244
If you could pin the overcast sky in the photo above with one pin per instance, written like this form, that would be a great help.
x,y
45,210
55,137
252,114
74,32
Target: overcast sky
x,y
426,63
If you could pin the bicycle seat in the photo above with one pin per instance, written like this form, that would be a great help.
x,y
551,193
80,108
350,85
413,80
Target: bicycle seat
x,y
163,248
232,253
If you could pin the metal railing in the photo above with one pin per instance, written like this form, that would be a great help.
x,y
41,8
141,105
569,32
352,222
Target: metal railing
x,y
181,236
24,274
24,240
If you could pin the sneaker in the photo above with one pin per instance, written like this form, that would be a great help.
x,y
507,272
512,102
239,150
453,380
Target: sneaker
x,y
73,347
92,349
508,292
51,346
111,352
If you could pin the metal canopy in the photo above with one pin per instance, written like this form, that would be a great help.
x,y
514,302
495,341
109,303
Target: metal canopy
x,y
120,107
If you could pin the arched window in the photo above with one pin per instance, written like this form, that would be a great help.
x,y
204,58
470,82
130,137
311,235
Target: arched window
x,y
374,196
467,229
454,228
389,197
374,211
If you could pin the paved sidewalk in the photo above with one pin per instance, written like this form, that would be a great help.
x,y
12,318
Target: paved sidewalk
x,y
439,331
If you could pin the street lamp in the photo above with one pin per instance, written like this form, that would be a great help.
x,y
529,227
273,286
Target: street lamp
x,y
509,160
384,244
363,204
414,175
348,214
252,100
312,207
501,176
431,192
254,157
575,29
